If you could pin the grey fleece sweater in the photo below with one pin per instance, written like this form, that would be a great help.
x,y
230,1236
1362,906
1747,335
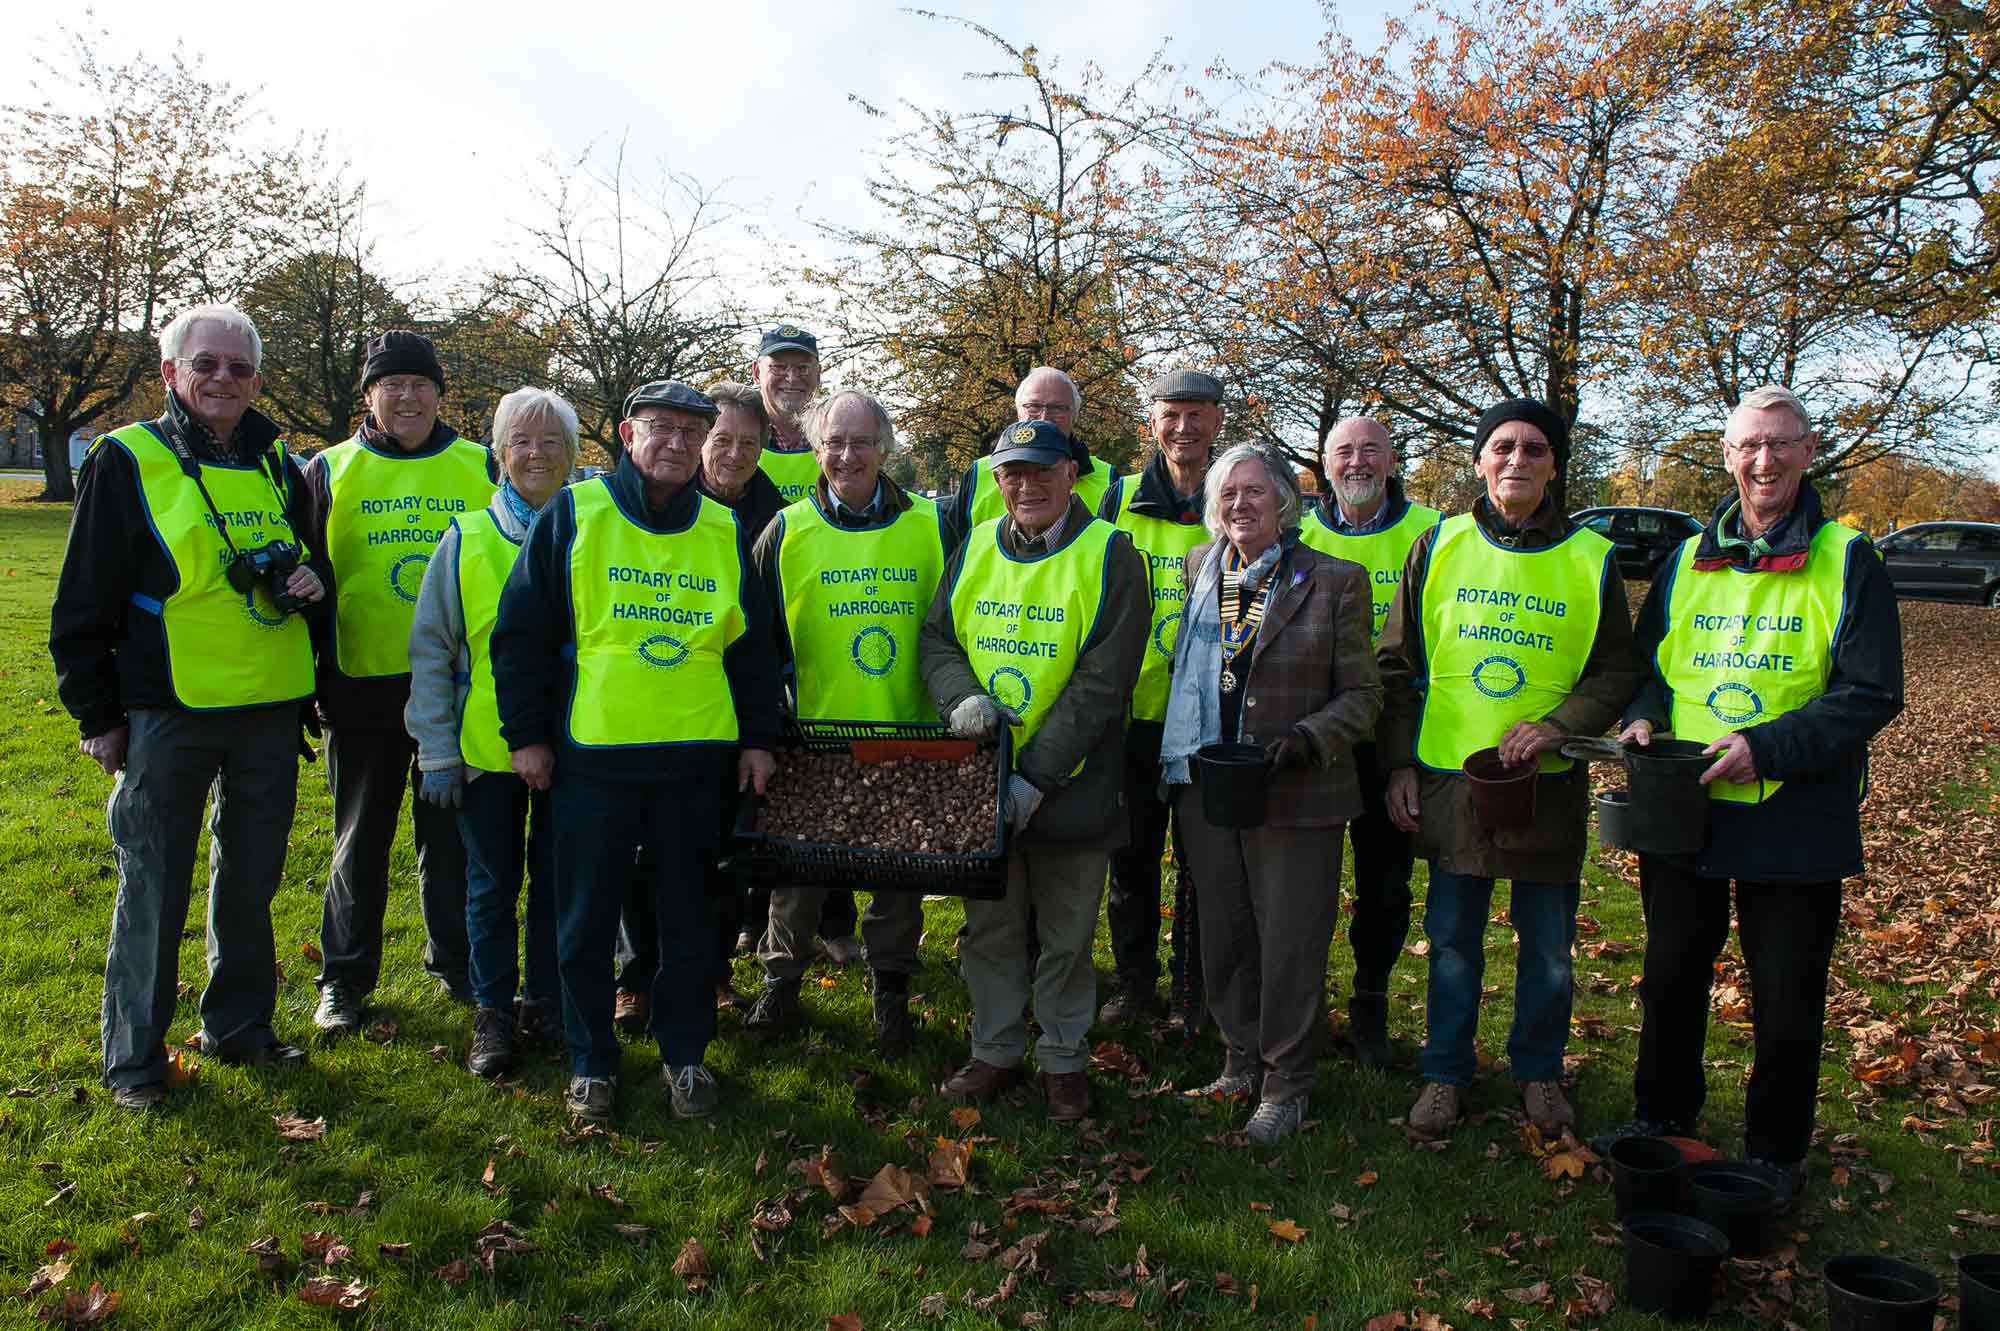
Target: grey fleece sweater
x,y
439,663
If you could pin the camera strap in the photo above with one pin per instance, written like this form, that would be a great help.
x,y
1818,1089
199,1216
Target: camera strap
x,y
192,468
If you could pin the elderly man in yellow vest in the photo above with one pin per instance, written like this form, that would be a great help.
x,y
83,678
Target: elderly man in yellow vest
x,y
1038,624
1773,639
179,649
1044,394
1367,519
381,501
1160,505
850,569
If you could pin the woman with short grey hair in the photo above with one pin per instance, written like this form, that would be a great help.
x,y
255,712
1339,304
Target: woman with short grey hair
x,y
1273,653
454,716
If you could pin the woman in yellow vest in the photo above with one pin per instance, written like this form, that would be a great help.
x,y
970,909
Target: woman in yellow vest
x,y
453,714
1773,639
1274,651
381,501
1509,629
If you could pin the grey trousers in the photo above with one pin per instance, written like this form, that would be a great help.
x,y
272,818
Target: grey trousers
x,y
368,772
1269,898
1063,889
890,928
173,758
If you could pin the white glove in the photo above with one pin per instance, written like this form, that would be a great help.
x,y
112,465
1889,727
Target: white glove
x,y
1023,798
975,718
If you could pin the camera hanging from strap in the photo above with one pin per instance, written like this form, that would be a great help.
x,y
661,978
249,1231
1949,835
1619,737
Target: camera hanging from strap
x,y
191,467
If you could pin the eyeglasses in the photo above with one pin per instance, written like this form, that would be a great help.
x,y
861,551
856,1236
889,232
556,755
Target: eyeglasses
x,y
840,445
206,365
1776,447
653,425
1042,410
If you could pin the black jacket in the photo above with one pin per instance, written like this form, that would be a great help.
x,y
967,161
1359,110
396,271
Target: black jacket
x,y
1152,496
755,507
1810,831
346,702
107,658
533,643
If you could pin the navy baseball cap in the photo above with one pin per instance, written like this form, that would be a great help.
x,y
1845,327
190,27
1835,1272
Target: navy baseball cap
x,y
1032,441
670,393
788,337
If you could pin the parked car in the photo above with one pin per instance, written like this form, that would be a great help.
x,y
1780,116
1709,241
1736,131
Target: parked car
x,y
1644,536
1945,561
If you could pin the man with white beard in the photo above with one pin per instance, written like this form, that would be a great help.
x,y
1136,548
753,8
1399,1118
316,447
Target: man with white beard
x,y
1367,519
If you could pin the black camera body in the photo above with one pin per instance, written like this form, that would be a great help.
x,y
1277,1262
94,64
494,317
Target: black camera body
x,y
272,565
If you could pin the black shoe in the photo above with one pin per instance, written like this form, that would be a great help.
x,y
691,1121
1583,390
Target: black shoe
x,y
273,1055
728,995
1792,1187
777,1012
537,1022
1638,1127
492,1042
339,1011
895,1030
1133,1000
1368,1023
140,1098
458,988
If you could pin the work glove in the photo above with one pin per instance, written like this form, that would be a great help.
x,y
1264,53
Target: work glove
x,y
1290,753
444,787
1023,798
975,718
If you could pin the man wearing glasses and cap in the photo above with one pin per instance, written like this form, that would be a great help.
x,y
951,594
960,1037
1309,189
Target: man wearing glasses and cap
x,y
637,681
1038,623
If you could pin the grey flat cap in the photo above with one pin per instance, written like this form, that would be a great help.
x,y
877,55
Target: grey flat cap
x,y
1186,386
670,393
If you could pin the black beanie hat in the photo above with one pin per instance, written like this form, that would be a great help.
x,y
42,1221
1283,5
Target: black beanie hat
x,y
1534,413
400,351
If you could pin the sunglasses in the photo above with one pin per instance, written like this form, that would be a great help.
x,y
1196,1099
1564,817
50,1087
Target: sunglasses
x,y
204,365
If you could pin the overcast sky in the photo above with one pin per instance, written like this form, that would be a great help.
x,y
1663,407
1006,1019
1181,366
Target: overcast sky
x,y
445,108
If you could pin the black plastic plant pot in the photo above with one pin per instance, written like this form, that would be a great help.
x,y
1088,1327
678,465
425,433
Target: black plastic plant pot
x,y
1646,1172
1979,1291
1670,1263
1740,1198
1867,1293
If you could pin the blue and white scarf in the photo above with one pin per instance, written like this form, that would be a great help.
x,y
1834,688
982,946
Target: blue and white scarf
x,y
1194,691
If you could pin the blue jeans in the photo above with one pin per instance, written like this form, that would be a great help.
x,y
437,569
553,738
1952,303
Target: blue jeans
x,y
599,826
500,814
1455,914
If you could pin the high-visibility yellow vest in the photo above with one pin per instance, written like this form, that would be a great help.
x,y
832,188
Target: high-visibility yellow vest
x,y
1744,648
1023,622
1164,544
384,516
485,558
988,506
1506,634
793,473
225,649
1383,553
854,600
653,613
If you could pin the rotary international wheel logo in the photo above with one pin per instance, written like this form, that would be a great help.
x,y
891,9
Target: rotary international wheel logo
x,y
1165,632
1010,688
1499,676
406,577
663,651
1022,434
873,650
1733,704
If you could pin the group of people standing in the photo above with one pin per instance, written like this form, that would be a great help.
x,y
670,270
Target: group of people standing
x,y
583,682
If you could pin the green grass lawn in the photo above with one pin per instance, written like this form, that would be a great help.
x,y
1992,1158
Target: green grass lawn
x,y
161,1208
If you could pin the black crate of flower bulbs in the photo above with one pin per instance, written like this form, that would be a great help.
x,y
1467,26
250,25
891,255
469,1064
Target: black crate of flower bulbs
x,y
890,805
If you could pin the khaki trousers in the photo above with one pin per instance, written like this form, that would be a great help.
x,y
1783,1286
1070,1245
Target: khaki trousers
x,y
1063,889
1269,897
890,928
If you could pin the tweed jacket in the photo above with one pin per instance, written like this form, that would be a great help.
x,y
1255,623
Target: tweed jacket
x,y
1312,670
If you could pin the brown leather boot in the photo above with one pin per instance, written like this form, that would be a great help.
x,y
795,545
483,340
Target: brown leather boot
x,y
979,1080
1068,1095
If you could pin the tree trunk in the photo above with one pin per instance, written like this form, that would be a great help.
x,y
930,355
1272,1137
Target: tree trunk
x,y
58,484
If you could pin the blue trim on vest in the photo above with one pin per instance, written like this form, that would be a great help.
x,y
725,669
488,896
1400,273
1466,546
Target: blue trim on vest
x,y
461,677
150,605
